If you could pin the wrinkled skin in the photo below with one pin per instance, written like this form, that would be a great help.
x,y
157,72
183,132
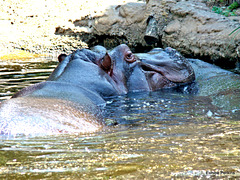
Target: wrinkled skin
x,y
68,101
161,69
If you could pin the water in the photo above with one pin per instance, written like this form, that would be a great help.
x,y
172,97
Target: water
x,y
162,134
17,75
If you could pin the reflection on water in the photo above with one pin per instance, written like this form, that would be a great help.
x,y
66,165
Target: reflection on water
x,y
17,75
160,135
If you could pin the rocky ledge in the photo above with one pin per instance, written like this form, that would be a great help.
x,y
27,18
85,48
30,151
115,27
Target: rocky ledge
x,y
53,27
188,26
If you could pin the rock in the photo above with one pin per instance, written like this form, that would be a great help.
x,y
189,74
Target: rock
x,y
188,26
118,24
237,12
196,31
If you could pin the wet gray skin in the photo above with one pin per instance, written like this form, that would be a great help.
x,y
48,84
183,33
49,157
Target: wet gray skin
x,y
68,101
164,68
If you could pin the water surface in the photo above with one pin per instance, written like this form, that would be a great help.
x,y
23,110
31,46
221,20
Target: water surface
x,y
162,134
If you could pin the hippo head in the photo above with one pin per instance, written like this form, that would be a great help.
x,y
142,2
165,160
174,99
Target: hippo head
x,y
148,71
120,71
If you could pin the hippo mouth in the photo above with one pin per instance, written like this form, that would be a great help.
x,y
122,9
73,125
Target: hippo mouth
x,y
165,76
156,80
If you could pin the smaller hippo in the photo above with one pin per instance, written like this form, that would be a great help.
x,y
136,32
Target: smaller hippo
x,y
173,70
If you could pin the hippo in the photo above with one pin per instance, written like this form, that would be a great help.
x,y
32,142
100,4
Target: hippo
x,y
72,98
221,86
61,57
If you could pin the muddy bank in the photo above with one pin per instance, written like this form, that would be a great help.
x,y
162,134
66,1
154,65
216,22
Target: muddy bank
x,y
28,27
191,27
51,28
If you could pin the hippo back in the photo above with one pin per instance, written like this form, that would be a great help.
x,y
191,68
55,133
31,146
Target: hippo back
x,y
222,86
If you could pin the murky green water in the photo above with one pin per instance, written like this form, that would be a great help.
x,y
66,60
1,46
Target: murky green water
x,y
161,135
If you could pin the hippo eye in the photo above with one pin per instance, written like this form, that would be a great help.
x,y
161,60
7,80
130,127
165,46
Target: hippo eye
x,y
130,57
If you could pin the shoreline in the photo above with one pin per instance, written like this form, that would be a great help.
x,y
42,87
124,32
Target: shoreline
x,y
28,28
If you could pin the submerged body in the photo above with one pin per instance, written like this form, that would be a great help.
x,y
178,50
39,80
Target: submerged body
x,y
68,102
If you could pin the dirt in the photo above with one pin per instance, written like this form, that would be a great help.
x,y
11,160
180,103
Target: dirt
x,y
28,27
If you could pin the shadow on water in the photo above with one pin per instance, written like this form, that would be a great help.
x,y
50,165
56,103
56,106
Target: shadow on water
x,y
161,134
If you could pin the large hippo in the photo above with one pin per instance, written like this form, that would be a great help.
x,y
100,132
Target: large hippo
x,y
69,101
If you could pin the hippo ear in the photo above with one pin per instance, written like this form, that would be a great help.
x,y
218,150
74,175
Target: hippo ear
x,y
106,64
